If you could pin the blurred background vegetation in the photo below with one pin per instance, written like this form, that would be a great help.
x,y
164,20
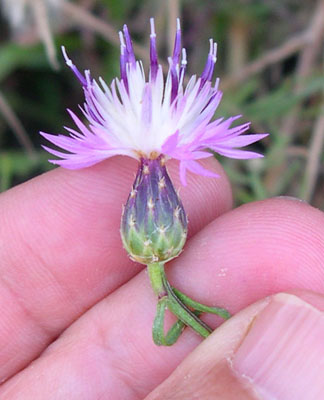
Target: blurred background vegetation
x,y
270,61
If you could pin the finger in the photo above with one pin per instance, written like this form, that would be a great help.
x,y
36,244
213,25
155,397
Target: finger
x,y
277,243
271,350
61,250
258,249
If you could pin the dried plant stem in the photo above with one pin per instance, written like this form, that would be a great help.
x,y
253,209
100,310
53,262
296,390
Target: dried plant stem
x,y
314,155
85,19
81,17
291,46
306,62
44,31
297,151
238,38
16,126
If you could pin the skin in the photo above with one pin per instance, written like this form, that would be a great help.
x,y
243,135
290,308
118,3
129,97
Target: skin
x,y
76,313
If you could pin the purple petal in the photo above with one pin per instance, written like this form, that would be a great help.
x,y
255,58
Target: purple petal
x,y
236,153
75,70
218,129
238,130
244,140
123,60
76,159
75,163
174,80
80,124
177,44
196,168
66,142
171,143
153,52
183,65
210,64
129,47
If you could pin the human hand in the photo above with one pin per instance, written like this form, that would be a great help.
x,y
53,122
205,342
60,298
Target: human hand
x,y
75,304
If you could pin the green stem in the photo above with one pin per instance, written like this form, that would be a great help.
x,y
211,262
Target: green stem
x,y
164,292
175,331
190,319
184,313
201,307
156,274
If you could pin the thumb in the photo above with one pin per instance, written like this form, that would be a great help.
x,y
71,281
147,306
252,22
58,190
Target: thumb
x,y
274,349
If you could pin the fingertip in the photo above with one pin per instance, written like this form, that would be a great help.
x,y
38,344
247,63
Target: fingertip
x,y
253,251
281,352
271,349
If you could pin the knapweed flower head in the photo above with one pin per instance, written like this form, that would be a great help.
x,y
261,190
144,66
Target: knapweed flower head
x,y
153,119
145,117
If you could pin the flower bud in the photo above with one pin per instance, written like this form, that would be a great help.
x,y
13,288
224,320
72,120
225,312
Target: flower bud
x,y
154,223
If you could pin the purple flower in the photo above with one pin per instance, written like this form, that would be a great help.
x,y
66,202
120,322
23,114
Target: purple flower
x,y
144,118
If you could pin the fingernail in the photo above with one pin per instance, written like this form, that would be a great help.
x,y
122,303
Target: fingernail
x,y
282,356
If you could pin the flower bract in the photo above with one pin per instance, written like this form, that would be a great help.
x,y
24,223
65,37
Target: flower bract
x,y
154,222
146,116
